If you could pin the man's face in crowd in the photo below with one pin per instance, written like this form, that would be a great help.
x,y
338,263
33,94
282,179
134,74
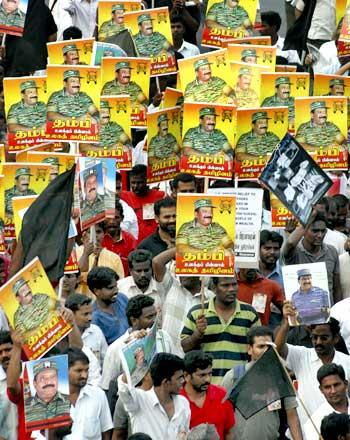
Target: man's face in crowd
x,y
283,91
176,382
118,188
204,73
71,57
78,374
72,85
323,340
5,354
259,346
267,30
22,183
99,234
244,82
177,30
163,128
226,290
142,274
147,318
342,213
46,384
123,76
24,295
167,220
200,379
319,116
337,90
118,17
193,284
108,294
113,224
334,389
138,184
91,188
305,283
10,5
208,123
146,27
270,253
83,316
105,116
185,187
70,281
315,233
260,127
30,96
204,216
249,275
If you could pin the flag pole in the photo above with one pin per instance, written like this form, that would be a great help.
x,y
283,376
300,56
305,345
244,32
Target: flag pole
x,y
202,295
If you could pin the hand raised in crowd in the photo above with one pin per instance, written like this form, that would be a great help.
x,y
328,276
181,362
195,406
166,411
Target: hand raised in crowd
x,y
17,338
97,249
88,245
201,325
291,224
67,315
289,311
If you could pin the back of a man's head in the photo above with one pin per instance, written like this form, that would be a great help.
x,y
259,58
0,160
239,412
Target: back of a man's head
x,y
100,277
164,366
335,427
204,431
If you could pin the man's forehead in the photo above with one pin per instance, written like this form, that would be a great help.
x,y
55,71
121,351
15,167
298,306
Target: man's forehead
x,y
321,330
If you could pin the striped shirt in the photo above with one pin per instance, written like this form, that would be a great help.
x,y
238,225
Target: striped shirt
x,y
225,341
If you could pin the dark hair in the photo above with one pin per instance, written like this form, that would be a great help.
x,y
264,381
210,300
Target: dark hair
x,y
102,225
72,33
334,425
333,326
167,202
76,355
5,337
183,177
76,300
118,176
138,170
100,277
197,360
164,366
255,332
340,200
266,236
139,256
215,280
176,18
318,218
272,19
119,208
136,304
139,436
324,202
330,370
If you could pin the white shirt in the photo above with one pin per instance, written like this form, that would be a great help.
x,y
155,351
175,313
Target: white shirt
x,y
128,287
188,50
147,415
327,60
94,338
94,367
129,223
344,273
8,411
139,155
336,239
341,312
323,22
112,366
83,13
291,55
3,320
62,18
91,415
305,364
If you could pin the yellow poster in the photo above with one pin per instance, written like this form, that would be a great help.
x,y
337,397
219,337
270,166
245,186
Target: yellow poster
x,y
73,103
258,133
25,109
171,98
59,162
257,40
21,156
285,68
279,213
71,52
128,76
205,234
20,206
247,79
253,54
321,128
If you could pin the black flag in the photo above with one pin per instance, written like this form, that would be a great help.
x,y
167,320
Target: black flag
x,y
264,383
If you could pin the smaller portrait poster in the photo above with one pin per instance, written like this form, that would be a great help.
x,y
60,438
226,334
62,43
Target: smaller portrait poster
x,y
71,52
163,144
172,97
46,393
20,206
279,213
25,109
13,16
208,137
253,54
255,40
31,306
295,178
128,76
247,79
228,19
72,264
205,234
21,156
258,133
321,127
59,162
306,286
73,103
152,35
101,50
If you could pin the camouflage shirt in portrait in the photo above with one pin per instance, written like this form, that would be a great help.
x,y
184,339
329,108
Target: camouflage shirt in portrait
x,y
150,45
33,315
162,147
28,115
89,210
199,237
115,88
228,17
109,29
12,19
14,192
246,98
36,409
206,142
110,134
250,143
69,105
275,101
209,91
318,136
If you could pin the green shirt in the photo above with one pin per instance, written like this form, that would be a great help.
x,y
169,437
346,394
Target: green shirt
x,y
210,91
114,88
36,409
206,142
275,101
251,143
162,147
89,210
109,29
227,17
32,316
318,136
110,134
28,115
13,19
150,45
69,105
14,192
199,237
246,98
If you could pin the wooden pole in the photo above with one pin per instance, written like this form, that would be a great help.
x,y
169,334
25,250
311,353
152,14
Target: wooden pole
x,y
202,295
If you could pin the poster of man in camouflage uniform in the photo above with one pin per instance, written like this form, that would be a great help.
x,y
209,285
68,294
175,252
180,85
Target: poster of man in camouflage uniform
x,y
71,53
12,17
20,188
113,26
92,205
282,97
254,54
245,95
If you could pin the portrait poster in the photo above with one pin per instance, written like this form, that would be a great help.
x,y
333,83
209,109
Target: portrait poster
x,y
281,89
13,17
306,286
207,78
72,264
205,235
227,20
285,68
295,178
208,137
73,103
247,81
25,109
171,98
137,355
163,144
258,133
46,393
321,126
71,52
257,40
20,206
101,50
152,36
31,306
59,162
343,48
22,179
21,156
128,76
345,28
279,213
253,54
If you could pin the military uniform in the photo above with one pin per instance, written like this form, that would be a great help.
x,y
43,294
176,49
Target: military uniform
x,y
209,91
114,88
69,105
251,143
27,115
37,409
89,210
275,101
14,191
30,317
205,142
318,136
200,237
228,17
109,29
246,98
13,19
162,147
150,45
110,134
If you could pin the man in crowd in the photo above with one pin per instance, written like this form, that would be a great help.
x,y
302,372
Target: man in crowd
x,y
336,427
178,30
129,222
182,183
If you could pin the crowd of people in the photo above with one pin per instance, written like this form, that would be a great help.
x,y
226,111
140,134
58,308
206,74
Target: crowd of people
x,y
210,332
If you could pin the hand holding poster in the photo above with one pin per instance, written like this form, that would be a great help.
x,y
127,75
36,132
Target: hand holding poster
x,y
31,306
205,233
306,286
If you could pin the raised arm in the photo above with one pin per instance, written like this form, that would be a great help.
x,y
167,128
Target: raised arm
x,y
160,261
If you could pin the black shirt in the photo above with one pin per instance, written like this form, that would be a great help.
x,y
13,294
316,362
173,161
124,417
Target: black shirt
x,y
153,244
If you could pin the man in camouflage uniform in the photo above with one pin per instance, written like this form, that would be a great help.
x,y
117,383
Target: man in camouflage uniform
x,y
202,234
282,97
337,88
20,188
206,139
115,25
149,43
54,167
47,402
33,310
71,55
245,95
257,142
208,88
70,101
28,113
249,56
111,133
164,145
318,132
228,15
11,15
93,204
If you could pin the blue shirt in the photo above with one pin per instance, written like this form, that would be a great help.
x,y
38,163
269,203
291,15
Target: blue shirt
x,y
312,306
112,326
276,275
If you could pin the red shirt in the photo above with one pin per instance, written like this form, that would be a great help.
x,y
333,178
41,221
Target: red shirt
x,y
122,247
148,225
272,291
19,401
214,411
